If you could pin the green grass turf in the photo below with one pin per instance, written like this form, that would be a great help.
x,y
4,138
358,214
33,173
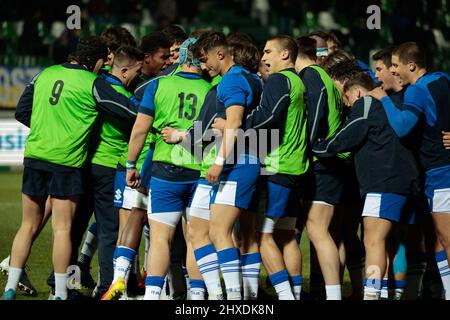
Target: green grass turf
x,y
39,262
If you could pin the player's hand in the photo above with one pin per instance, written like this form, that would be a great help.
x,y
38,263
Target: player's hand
x,y
446,139
378,93
133,178
213,173
170,135
219,124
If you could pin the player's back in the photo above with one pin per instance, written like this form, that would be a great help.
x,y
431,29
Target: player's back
x,y
64,111
177,101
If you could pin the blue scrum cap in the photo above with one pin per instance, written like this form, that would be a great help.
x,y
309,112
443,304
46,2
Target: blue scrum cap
x,y
186,56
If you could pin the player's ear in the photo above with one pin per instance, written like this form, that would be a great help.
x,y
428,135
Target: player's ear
x,y
285,54
220,54
124,72
412,66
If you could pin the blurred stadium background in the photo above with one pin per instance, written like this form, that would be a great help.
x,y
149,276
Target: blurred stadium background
x,y
33,35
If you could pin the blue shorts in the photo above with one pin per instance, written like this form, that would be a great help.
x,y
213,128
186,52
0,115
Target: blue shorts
x,y
437,189
146,169
169,199
281,201
237,183
390,206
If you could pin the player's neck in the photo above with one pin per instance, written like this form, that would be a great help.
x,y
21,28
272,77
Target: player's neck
x,y
117,75
302,64
416,76
227,63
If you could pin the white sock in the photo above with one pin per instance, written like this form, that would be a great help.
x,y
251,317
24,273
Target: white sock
x,y
13,278
384,294
333,292
280,281
251,265
296,283
197,290
124,259
153,286
444,270
90,242
230,266
147,245
372,289
186,279
208,265
61,285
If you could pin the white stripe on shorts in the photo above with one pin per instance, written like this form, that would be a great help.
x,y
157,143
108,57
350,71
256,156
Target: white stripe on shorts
x,y
372,205
227,193
441,200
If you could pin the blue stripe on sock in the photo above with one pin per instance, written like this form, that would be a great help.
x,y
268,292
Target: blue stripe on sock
x,y
197,284
93,228
204,251
227,255
400,284
208,270
441,256
126,252
154,281
384,283
255,270
296,280
445,274
279,277
207,264
250,258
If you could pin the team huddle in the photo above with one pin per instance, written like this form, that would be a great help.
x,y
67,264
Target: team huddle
x,y
222,154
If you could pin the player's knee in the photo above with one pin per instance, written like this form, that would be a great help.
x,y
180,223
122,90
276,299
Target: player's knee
x,y
316,232
197,234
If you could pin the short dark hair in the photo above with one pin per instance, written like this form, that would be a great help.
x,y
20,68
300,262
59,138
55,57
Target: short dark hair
x,y
384,55
287,43
334,38
341,66
360,79
323,35
117,36
153,41
246,55
238,37
410,51
127,55
175,33
208,41
89,50
306,47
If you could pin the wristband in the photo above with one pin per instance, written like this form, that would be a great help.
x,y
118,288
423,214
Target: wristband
x,y
131,165
219,161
